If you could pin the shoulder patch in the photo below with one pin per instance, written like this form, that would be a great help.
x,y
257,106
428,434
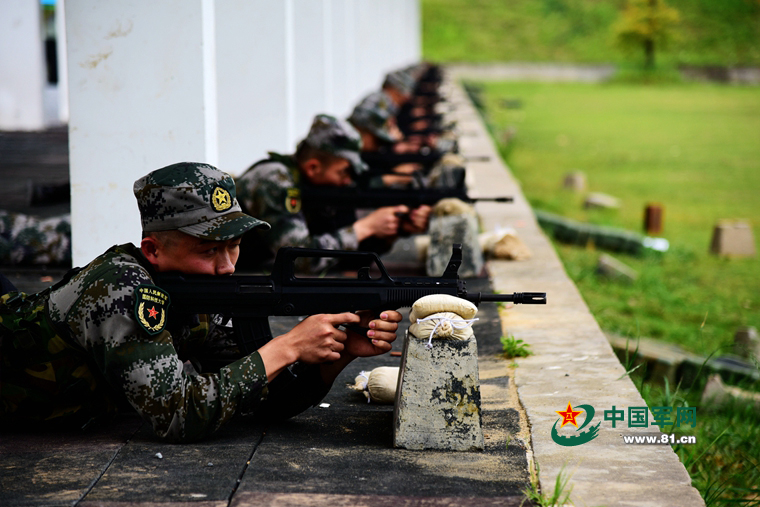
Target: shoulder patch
x,y
151,304
293,200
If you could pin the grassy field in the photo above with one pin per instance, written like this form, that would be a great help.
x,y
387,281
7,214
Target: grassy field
x,y
711,32
695,149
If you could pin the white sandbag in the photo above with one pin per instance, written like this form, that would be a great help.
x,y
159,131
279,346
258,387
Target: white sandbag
x,y
379,385
437,303
442,326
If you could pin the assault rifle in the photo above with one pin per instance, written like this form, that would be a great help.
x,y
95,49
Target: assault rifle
x,y
384,161
249,300
358,198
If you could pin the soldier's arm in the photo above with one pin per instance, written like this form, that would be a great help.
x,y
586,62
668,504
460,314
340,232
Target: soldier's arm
x,y
145,367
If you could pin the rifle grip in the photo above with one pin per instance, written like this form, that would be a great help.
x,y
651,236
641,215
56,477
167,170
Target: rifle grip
x,y
251,333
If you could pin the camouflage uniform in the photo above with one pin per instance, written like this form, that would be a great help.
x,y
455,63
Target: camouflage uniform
x,y
104,335
270,189
26,239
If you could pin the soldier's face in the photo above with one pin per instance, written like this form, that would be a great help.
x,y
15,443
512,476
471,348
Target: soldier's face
x,y
337,173
196,256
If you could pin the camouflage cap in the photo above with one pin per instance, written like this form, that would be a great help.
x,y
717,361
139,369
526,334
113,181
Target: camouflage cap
x,y
197,199
372,114
337,137
401,81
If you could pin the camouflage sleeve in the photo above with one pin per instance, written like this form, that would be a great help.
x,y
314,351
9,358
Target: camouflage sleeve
x,y
26,239
264,193
99,307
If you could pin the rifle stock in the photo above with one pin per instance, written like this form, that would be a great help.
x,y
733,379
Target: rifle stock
x,y
251,299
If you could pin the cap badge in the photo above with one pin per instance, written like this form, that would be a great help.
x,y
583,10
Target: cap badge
x,y
221,199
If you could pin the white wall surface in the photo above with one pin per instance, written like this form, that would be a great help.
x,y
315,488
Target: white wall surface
x,y
22,66
217,81
255,106
141,96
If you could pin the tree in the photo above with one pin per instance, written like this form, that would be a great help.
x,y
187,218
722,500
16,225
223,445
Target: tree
x,y
647,24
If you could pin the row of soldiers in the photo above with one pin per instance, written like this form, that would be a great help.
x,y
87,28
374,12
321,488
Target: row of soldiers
x,y
393,138
106,338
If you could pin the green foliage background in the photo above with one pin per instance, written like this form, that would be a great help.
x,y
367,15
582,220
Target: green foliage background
x,y
711,32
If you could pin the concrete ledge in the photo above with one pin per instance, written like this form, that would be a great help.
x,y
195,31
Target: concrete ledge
x,y
572,361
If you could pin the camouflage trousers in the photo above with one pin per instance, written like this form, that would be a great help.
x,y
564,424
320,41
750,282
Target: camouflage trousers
x,y
26,239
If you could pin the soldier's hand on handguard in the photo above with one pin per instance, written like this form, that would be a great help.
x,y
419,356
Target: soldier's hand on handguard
x,y
396,179
409,168
408,146
377,339
417,221
381,223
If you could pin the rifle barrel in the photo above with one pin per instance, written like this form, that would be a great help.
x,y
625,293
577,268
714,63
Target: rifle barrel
x,y
524,298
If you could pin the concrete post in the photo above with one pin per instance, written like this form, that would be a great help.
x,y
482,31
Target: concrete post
x,y
447,230
438,396
142,95
22,66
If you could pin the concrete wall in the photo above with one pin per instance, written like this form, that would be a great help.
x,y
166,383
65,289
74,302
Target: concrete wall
x,y
218,81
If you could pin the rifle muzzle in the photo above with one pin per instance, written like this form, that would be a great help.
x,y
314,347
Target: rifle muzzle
x,y
518,298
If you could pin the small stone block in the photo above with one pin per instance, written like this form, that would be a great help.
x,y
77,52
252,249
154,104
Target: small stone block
x,y
599,200
575,181
444,232
733,238
438,396
613,268
747,342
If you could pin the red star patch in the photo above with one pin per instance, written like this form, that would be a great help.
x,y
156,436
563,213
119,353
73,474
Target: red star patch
x,y
569,415
152,312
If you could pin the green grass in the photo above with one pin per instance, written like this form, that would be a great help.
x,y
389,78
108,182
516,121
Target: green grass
x,y
711,32
724,463
694,149
513,347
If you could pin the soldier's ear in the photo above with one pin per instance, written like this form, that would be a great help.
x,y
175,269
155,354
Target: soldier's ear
x,y
311,167
150,248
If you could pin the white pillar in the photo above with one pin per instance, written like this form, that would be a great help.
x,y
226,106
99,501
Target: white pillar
x,y
254,68
61,54
22,66
346,91
310,60
142,95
